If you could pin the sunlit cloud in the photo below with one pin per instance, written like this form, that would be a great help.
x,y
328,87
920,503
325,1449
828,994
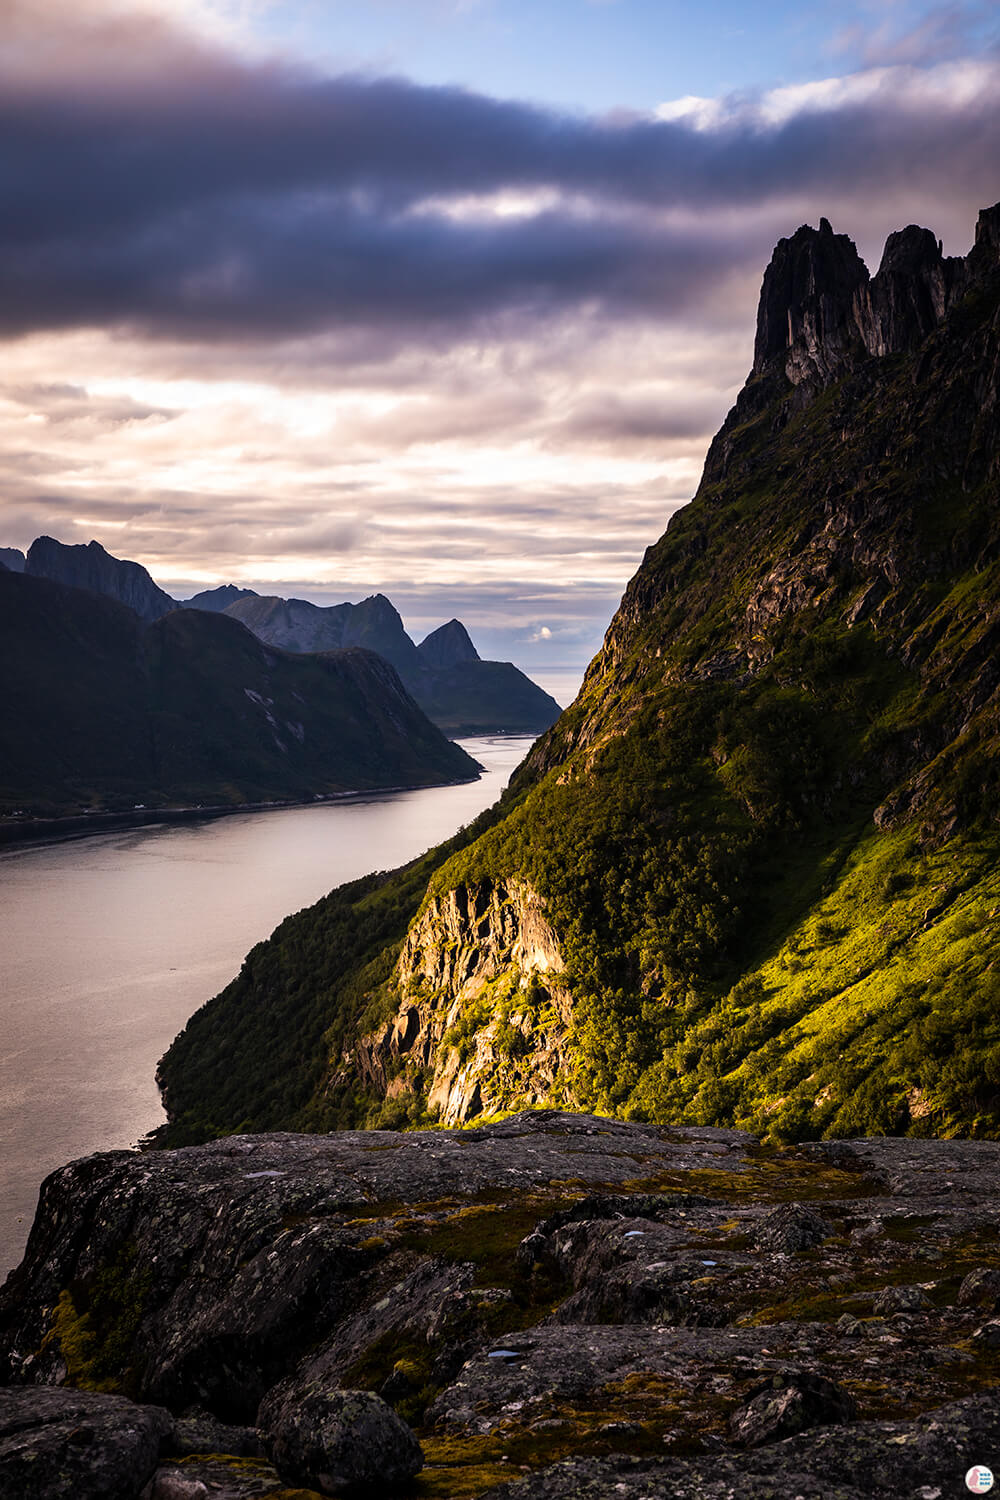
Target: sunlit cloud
x,y
335,333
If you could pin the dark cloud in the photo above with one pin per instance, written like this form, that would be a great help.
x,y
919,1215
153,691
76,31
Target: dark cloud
x,y
212,198
609,419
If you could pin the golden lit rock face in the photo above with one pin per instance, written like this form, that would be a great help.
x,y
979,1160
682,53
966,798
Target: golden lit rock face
x,y
483,1016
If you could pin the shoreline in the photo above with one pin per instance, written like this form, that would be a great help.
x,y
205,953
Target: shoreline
x,y
79,825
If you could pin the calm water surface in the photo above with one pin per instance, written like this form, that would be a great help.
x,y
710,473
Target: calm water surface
x,y
110,943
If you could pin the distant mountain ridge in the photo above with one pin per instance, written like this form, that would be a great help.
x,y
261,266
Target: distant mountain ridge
x,y
104,711
297,625
456,689
218,599
90,567
478,698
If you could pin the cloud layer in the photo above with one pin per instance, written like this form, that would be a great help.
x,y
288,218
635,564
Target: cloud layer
x,y
266,323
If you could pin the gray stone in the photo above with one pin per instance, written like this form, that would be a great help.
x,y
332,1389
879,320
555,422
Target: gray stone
x,y
247,1252
789,1403
269,1266
213,1478
337,1441
901,1299
981,1288
76,1445
914,1459
790,1227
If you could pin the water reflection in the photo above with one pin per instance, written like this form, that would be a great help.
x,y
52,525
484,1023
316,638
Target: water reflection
x,y
112,941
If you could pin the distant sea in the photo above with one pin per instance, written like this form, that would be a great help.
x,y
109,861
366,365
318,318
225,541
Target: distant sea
x,y
111,941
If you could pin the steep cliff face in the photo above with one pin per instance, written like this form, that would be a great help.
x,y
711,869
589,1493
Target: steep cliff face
x,y
819,309
765,833
483,1015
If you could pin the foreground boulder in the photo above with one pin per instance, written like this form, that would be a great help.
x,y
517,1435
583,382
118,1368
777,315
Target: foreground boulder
x,y
338,1442
560,1304
76,1445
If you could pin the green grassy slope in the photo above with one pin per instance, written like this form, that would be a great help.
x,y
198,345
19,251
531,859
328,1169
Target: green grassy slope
x,y
767,830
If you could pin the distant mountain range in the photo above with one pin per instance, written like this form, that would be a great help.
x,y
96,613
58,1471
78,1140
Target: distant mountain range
x,y
105,709
456,689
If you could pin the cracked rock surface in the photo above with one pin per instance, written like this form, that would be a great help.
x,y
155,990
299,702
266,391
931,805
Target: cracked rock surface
x,y
556,1305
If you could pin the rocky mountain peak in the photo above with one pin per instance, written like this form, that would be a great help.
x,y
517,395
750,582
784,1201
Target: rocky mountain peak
x,y
219,599
985,254
805,317
911,293
90,567
378,607
820,311
447,646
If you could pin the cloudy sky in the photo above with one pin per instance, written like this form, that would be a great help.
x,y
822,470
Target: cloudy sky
x,y
442,298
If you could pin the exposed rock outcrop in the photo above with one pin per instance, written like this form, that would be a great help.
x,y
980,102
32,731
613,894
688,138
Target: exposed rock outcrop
x,y
820,311
270,1279
806,315
483,1016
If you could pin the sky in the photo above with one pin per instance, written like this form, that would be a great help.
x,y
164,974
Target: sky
x,y
438,298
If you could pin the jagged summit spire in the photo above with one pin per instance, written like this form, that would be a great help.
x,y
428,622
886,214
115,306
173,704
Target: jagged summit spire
x,y
820,310
805,303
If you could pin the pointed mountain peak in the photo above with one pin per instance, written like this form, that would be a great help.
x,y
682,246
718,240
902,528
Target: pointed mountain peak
x,y
447,646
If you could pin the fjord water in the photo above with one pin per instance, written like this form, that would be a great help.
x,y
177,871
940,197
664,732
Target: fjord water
x,y
112,941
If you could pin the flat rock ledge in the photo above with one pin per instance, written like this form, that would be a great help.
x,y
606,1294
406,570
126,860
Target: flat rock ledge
x,y
548,1307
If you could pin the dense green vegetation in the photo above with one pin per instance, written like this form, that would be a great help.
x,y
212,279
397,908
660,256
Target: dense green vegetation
x,y
766,832
299,999
103,711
